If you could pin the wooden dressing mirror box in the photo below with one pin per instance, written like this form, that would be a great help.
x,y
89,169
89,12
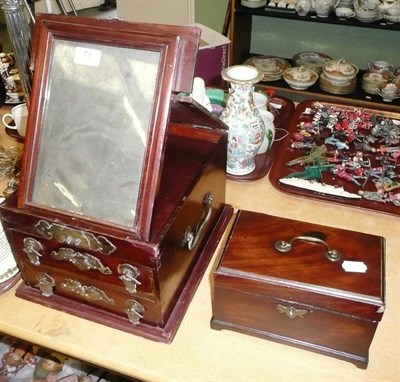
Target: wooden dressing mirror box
x,y
121,201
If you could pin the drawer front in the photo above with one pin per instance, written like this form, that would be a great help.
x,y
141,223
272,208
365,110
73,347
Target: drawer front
x,y
292,322
111,269
51,282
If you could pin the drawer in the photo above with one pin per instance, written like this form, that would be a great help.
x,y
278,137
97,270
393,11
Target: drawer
x,y
111,269
92,292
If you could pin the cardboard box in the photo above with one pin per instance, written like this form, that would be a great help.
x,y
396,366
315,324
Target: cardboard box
x,y
213,56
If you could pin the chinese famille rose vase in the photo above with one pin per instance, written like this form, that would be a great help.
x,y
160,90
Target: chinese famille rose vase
x,y
246,127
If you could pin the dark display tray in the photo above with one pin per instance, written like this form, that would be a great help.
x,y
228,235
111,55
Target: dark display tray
x,y
364,162
283,108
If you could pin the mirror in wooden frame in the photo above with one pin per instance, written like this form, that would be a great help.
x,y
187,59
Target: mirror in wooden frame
x,y
98,114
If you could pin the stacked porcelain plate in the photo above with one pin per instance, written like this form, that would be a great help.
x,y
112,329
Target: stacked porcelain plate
x,y
311,60
367,11
272,67
338,77
345,4
254,3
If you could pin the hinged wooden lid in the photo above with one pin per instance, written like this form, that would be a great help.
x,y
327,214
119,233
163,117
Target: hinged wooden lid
x,y
305,273
98,117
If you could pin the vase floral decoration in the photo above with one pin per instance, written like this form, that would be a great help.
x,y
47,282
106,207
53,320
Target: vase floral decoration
x,y
246,127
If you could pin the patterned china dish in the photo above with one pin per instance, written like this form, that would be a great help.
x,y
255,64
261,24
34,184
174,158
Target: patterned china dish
x,y
389,91
272,67
300,78
312,60
371,81
339,72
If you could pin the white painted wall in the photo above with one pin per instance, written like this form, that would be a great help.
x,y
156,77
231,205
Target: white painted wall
x,y
178,12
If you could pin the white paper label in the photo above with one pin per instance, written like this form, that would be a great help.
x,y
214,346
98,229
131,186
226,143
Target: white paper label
x,y
354,266
86,56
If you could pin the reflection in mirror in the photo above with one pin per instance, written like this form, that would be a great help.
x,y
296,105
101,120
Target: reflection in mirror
x,y
97,115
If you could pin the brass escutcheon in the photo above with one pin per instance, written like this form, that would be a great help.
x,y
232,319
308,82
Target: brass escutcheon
x,y
292,312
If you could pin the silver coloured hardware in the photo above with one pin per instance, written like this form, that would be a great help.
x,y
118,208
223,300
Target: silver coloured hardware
x,y
129,276
134,311
90,293
292,312
74,237
191,238
83,261
45,283
331,254
33,249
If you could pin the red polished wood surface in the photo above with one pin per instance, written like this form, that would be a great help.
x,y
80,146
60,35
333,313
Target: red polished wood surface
x,y
341,308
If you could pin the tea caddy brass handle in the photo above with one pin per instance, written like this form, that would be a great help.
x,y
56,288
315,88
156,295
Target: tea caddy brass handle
x,y
331,254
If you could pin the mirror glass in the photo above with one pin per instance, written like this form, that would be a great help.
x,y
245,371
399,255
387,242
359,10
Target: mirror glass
x,y
97,115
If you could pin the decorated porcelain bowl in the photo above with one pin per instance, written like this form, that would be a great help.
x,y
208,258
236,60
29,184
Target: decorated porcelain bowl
x,y
300,78
339,72
389,91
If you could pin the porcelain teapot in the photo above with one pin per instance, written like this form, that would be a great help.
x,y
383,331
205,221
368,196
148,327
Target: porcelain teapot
x,y
324,7
302,7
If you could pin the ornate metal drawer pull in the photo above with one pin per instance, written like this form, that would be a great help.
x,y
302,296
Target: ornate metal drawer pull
x,y
191,238
129,276
83,261
90,293
45,283
331,254
292,312
33,249
134,311
74,237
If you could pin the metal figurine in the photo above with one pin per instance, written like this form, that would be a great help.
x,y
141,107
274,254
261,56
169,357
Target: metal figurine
x,y
317,155
311,172
20,37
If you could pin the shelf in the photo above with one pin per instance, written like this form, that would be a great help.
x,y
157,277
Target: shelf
x,y
241,35
358,97
312,17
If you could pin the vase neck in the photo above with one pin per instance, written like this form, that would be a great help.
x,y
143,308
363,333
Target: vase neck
x,y
241,92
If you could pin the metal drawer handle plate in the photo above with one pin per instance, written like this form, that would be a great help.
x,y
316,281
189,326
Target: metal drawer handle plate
x,y
33,249
82,261
134,310
190,238
88,292
331,254
129,276
74,237
45,283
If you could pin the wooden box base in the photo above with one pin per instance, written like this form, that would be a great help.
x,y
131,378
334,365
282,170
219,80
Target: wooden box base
x,y
162,334
110,276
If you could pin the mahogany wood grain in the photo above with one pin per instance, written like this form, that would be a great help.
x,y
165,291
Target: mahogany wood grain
x,y
253,280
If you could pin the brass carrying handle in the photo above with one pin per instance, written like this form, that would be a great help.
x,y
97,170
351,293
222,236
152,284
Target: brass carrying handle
x,y
191,238
331,254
